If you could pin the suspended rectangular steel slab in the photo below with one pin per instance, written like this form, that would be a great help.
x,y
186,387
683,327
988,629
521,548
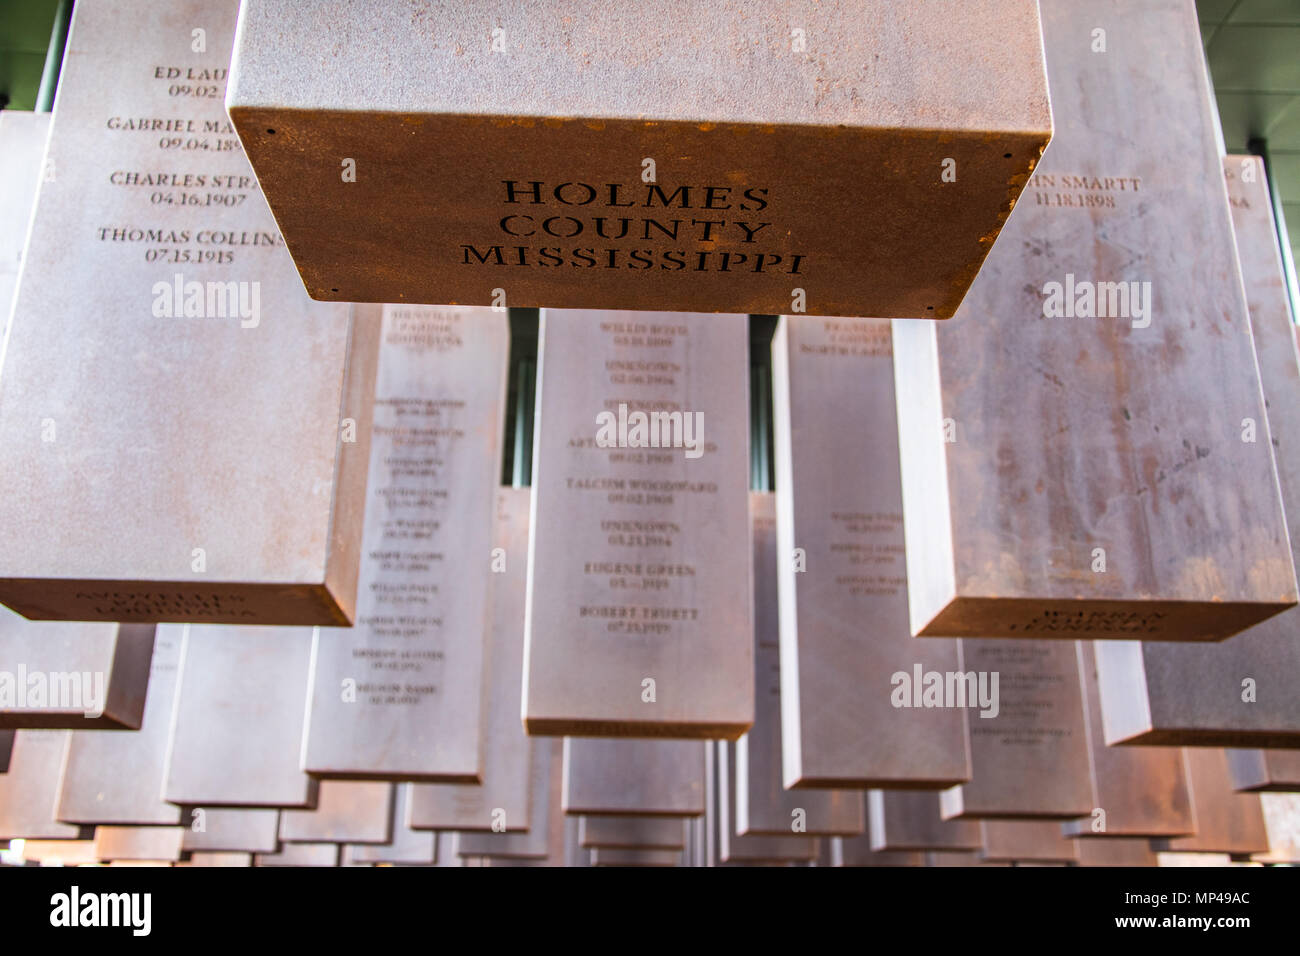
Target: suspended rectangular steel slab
x,y
1240,693
504,793
237,728
111,777
174,409
73,676
842,575
1068,471
640,574
1137,791
724,160
399,695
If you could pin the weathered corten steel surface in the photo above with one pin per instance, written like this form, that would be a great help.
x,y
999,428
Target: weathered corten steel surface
x,y
1226,821
238,720
733,847
218,858
1115,851
415,658
858,851
346,811
117,778
231,829
73,676
434,153
138,842
1091,474
959,858
1241,693
503,796
621,776
632,832
844,630
1282,823
407,846
544,834
910,820
172,405
69,852
628,856
1141,790
30,787
1029,759
301,854
763,805
1032,840
1265,769
1164,858
640,615
445,849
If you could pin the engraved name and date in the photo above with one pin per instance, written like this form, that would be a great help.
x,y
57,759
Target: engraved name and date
x,y
645,573
408,574
182,184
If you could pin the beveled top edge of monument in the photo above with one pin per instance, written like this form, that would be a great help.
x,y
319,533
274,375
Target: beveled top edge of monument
x,y
701,61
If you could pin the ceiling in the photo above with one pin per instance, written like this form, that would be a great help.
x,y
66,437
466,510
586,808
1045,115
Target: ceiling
x,y
1253,48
